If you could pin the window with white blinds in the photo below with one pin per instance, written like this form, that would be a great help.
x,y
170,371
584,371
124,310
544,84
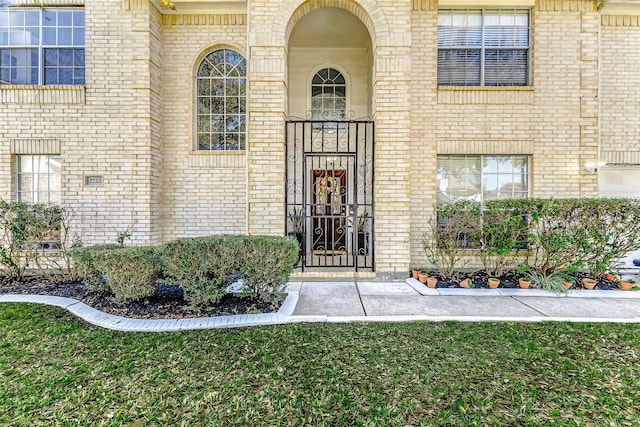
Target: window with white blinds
x,y
483,47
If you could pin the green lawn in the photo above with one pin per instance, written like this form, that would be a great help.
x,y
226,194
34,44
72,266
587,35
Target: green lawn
x,y
56,370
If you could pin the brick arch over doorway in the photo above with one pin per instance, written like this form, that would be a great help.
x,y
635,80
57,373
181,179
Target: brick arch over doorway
x,y
367,11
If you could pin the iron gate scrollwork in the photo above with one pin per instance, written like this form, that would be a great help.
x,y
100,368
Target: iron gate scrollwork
x,y
329,192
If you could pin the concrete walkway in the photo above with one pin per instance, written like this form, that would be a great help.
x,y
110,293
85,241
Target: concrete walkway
x,y
386,302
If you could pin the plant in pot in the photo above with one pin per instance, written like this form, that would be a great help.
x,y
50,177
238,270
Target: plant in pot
x,y
432,281
611,276
415,272
494,282
295,228
467,284
588,283
363,233
524,282
627,284
423,276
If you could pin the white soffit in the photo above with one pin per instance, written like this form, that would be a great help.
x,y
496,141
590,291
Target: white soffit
x,y
204,7
628,7
486,4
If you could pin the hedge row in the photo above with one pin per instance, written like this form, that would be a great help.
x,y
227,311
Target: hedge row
x,y
549,235
203,267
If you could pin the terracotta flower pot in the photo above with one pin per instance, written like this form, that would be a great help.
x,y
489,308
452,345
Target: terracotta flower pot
x,y
423,277
493,283
524,284
588,283
432,282
626,285
566,284
415,273
465,284
611,277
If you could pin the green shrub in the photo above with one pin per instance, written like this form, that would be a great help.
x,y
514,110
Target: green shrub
x,y
267,263
84,265
557,235
131,272
202,266
503,233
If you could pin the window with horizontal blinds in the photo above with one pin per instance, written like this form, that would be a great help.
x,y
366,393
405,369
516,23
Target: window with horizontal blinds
x,y
484,47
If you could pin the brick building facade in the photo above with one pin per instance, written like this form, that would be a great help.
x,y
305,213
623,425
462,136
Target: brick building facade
x,y
251,117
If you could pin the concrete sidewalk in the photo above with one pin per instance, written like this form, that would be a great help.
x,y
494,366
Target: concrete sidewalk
x,y
356,301
411,299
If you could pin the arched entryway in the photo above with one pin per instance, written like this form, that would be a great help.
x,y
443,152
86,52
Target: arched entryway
x,y
330,140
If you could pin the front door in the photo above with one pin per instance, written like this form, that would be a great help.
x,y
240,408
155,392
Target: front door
x,y
329,193
329,211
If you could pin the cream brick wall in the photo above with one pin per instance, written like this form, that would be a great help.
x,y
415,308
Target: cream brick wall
x,y
203,193
554,120
102,129
620,85
133,122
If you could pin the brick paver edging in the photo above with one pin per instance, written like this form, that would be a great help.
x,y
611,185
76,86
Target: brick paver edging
x,y
119,323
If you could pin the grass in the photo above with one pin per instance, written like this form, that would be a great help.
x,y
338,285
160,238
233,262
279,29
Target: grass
x,y
57,370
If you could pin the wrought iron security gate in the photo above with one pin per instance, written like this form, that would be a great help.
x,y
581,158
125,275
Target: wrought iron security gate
x,y
329,192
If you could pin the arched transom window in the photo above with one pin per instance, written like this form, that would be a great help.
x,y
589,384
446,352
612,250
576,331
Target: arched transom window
x,y
221,101
328,95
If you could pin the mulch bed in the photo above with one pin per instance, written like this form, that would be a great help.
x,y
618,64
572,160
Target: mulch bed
x,y
167,302
510,280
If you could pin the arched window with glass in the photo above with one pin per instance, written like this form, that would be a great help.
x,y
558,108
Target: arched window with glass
x,y
328,95
221,102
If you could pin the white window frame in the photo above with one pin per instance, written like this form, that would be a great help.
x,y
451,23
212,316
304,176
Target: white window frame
x,y
37,175
15,30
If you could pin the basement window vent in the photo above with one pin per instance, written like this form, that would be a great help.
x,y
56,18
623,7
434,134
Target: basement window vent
x,y
93,181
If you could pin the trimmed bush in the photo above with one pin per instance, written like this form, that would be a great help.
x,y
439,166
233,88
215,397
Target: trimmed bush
x,y
84,264
202,266
267,263
205,266
131,272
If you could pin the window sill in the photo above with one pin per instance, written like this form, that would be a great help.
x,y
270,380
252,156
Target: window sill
x,y
217,159
485,95
37,94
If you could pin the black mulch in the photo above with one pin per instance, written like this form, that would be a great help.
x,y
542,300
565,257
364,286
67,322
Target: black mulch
x,y
510,280
167,302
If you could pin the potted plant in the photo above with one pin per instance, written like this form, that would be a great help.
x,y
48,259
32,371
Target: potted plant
x,y
627,284
567,281
415,272
432,281
363,233
494,282
611,276
423,276
295,229
524,282
588,283
467,284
